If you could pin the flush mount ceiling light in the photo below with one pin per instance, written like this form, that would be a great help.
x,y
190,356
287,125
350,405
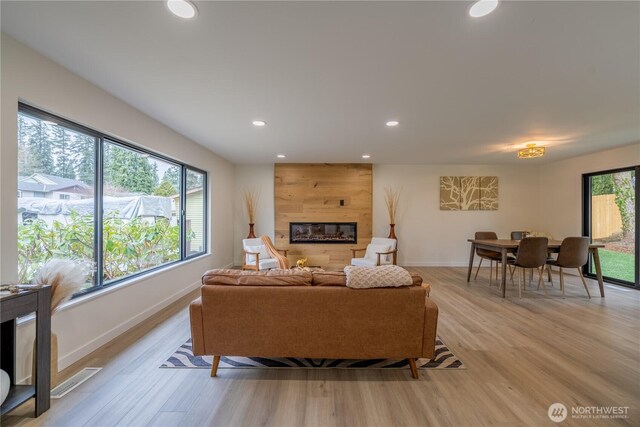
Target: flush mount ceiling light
x,y
482,8
281,156
259,123
392,123
182,8
530,152
366,156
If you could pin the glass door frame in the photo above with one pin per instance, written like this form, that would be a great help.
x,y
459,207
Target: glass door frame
x,y
587,217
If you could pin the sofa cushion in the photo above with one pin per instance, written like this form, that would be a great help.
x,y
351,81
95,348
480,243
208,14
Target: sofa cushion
x,y
329,278
339,278
254,278
385,276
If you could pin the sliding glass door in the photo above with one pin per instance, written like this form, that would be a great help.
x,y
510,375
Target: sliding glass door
x,y
611,218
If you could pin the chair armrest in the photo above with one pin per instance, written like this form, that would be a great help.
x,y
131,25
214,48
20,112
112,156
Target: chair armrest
x,y
284,251
394,252
244,259
353,251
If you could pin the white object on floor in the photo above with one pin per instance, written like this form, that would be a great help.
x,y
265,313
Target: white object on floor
x,y
5,383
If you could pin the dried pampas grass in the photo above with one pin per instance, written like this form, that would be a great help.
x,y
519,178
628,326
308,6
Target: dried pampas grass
x,y
251,197
65,277
391,198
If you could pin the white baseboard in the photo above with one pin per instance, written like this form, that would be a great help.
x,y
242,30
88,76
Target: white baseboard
x,y
77,354
435,264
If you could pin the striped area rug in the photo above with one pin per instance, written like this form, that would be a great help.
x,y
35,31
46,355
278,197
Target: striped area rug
x,y
184,358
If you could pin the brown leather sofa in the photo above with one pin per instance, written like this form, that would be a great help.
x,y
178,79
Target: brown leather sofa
x,y
289,313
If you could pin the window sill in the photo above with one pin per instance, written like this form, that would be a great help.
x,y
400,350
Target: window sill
x,y
113,288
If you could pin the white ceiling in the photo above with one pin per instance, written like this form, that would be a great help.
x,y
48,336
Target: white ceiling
x,y
326,76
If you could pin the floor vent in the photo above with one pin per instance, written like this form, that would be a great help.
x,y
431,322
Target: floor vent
x,y
73,382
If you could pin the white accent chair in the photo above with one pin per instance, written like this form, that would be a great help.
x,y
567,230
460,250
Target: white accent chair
x,y
381,251
256,257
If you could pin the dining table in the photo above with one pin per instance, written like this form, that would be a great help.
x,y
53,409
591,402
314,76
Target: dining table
x,y
505,247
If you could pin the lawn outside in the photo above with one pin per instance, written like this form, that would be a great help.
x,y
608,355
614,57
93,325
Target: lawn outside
x,y
618,265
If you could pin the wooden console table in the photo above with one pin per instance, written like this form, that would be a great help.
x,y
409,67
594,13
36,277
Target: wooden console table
x,y
13,306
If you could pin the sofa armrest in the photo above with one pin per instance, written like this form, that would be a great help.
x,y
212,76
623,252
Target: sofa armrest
x,y
197,327
430,328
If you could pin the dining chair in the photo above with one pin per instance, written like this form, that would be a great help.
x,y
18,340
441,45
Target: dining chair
x,y
532,253
519,235
574,253
487,254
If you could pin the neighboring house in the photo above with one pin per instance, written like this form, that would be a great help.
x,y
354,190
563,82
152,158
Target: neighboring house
x,y
194,213
52,187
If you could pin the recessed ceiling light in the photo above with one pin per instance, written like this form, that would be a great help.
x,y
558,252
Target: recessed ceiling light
x,y
182,8
259,123
49,122
281,156
392,123
366,156
482,8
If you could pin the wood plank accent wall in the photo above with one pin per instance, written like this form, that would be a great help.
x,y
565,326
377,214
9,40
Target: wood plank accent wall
x,y
310,192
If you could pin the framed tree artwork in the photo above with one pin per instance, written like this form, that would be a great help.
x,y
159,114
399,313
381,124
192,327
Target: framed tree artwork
x,y
469,193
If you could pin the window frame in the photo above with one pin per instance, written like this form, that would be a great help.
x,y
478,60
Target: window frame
x,y
101,138
205,213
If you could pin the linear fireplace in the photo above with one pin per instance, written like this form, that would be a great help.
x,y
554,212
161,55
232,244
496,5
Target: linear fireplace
x,y
323,232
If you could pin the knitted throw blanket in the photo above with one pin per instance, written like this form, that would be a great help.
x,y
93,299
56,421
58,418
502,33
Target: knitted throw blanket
x,y
384,276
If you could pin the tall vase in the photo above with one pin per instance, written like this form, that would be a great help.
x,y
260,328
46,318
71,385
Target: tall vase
x,y
54,360
251,235
392,233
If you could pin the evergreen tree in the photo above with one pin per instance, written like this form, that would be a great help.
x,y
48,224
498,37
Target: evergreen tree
x,y
64,154
165,189
173,176
85,160
194,180
34,150
154,168
129,170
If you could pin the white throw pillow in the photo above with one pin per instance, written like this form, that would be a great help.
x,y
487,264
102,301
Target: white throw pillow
x,y
385,276
262,249
373,249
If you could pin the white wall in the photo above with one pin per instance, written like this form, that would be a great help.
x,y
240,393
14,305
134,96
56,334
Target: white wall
x,y
85,325
561,186
427,235
259,178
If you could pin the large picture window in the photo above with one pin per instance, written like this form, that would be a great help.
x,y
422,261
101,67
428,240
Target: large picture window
x,y
83,195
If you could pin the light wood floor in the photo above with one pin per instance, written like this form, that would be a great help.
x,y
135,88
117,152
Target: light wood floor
x,y
521,355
